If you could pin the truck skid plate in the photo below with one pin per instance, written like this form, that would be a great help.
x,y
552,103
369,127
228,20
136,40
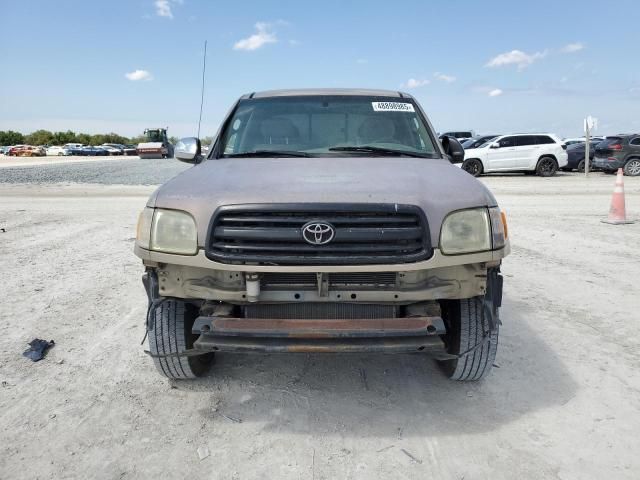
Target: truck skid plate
x,y
431,345
319,329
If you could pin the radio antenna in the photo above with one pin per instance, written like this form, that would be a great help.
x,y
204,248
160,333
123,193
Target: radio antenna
x,y
204,68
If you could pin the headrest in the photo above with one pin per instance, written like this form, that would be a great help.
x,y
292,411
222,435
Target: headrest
x,y
376,128
278,128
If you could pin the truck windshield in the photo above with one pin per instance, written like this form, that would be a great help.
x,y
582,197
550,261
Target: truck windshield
x,y
154,136
327,126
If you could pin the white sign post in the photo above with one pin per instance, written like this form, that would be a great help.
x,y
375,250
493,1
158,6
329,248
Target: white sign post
x,y
590,123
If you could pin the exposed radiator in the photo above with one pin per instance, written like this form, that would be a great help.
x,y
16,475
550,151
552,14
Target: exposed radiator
x,y
320,310
377,280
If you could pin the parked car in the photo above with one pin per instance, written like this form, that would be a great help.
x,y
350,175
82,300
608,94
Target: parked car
x,y
460,134
575,156
540,153
573,141
620,151
26,151
477,141
88,151
381,245
76,150
113,148
5,150
71,146
130,149
57,150
94,151
14,149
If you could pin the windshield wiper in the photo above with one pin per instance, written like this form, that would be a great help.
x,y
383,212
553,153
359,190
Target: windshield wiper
x,y
381,150
268,153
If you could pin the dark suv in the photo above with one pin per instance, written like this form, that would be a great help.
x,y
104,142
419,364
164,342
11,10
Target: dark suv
x,y
620,151
576,155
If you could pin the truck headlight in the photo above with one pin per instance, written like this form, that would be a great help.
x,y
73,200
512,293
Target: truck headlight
x,y
169,231
143,230
173,231
466,231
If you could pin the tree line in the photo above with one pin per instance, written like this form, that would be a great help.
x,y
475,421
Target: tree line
x,y
45,137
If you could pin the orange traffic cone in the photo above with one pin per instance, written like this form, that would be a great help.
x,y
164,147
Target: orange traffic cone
x,y
617,214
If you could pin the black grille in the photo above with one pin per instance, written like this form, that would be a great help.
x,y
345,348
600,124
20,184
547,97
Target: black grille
x,y
364,234
309,281
320,311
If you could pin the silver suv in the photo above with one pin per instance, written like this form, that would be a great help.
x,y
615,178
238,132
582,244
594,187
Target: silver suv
x,y
323,221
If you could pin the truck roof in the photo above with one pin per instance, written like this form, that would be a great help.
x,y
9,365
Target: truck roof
x,y
326,91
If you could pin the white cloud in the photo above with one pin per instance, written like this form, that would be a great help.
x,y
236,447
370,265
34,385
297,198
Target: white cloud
x,y
496,92
163,8
515,57
264,34
137,75
362,61
415,83
572,47
444,78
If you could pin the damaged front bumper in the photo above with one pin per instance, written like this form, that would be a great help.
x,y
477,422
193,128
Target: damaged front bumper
x,y
226,293
395,335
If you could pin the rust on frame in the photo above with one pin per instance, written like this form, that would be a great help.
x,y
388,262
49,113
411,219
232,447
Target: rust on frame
x,y
326,328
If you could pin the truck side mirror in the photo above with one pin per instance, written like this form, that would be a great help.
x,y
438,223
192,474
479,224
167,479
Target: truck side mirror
x,y
453,149
188,150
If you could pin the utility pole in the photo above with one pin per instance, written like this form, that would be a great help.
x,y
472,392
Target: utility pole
x,y
586,147
590,123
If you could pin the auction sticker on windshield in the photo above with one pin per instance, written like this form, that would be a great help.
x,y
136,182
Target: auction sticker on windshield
x,y
392,107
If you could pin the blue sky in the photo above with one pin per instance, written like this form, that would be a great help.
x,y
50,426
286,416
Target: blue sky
x,y
494,66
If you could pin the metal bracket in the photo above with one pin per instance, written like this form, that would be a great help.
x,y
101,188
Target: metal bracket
x,y
323,284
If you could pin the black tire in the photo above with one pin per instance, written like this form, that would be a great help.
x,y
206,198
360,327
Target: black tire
x,y
473,166
169,333
632,167
467,324
581,166
547,167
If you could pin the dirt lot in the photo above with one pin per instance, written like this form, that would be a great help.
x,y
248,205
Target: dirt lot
x,y
6,161
564,402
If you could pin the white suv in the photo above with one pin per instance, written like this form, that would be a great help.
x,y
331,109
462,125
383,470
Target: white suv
x,y
540,153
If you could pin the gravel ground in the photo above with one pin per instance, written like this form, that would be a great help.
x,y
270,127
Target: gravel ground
x,y
7,161
563,404
106,172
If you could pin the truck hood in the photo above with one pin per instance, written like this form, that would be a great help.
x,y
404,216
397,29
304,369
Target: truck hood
x,y
434,185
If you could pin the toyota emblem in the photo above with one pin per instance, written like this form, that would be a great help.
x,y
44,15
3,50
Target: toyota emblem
x,y
318,233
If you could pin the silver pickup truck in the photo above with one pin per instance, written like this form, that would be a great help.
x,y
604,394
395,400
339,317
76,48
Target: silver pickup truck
x,y
323,221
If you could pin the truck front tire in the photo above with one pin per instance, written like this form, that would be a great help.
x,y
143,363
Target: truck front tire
x,y
169,334
468,327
